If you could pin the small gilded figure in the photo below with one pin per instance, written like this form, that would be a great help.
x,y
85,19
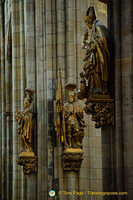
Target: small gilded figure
x,y
25,120
97,60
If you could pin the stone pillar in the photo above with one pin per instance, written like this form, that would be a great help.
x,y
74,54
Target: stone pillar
x,y
73,184
41,103
61,39
29,22
9,155
107,159
70,37
127,92
31,187
8,100
29,33
115,29
121,29
2,104
15,96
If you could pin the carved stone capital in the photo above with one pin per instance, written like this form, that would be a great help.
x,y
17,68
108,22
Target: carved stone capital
x,y
101,109
29,163
72,159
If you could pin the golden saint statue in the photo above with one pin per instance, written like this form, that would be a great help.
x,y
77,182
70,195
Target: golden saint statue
x,y
97,59
70,122
26,121
74,118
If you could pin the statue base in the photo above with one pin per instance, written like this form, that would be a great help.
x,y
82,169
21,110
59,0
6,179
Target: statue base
x,y
72,159
29,162
101,107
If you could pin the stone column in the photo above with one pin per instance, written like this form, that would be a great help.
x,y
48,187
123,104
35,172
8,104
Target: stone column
x,y
121,29
29,32
9,155
2,104
73,184
41,90
127,92
60,178
29,22
107,159
31,187
15,95
70,40
113,174
8,101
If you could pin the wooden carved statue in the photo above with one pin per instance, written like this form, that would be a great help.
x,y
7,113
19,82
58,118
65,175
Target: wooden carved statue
x,y
74,118
69,126
97,59
70,118
25,121
94,84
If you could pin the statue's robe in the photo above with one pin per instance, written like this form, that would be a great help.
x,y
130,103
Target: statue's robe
x,y
26,122
97,58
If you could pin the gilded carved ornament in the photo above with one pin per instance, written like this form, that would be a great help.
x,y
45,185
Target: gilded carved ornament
x,y
25,121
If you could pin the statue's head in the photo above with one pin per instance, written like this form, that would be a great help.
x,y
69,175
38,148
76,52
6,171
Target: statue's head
x,y
70,91
90,16
29,93
71,97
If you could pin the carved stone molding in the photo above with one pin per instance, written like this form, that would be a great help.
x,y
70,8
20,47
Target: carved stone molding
x,y
101,109
72,159
28,162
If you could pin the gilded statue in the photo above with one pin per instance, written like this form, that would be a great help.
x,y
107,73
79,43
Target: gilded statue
x,y
74,119
94,84
70,122
25,120
97,58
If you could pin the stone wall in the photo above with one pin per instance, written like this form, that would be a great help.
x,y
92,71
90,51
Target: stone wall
x,y
37,38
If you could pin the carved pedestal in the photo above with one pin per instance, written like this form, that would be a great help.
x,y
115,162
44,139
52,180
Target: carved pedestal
x,y
101,107
29,162
72,159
